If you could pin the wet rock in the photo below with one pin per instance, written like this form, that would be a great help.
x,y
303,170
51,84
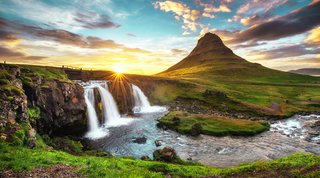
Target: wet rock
x,y
145,158
167,154
139,140
157,143
196,129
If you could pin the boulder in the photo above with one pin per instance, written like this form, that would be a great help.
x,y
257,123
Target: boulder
x,y
196,129
139,140
157,143
145,158
167,154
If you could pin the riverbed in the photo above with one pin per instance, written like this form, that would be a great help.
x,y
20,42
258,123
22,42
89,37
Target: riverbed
x,y
285,137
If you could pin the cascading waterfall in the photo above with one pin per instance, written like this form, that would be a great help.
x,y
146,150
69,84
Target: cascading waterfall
x,y
110,110
111,113
93,123
141,102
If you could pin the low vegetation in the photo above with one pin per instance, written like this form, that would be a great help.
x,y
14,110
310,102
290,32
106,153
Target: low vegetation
x,y
195,124
265,90
19,159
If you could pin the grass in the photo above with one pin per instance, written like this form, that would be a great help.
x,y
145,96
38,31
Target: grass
x,y
48,72
21,159
193,124
254,85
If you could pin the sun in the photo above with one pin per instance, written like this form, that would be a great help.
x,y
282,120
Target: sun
x,y
118,69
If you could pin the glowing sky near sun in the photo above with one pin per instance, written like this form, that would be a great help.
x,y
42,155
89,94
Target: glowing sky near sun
x,y
147,37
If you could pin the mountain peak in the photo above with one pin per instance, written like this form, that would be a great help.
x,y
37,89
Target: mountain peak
x,y
209,50
210,37
210,43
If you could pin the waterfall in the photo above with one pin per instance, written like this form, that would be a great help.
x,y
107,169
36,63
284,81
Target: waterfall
x,y
110,110
141,102
93,123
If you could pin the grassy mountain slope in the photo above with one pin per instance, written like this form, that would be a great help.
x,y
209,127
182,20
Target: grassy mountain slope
x,y
271,91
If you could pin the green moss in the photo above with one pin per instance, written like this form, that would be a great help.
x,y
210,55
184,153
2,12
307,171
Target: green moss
x,y
65,144
27,81
4,74
18,138
48,72
194,124
34,113
4,81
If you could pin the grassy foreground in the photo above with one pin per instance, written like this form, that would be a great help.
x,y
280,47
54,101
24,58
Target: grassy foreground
x,y
194,124
24,159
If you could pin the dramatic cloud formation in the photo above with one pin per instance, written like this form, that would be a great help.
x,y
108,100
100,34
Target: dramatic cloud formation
x,y
154,35
189,16
294,23
183,12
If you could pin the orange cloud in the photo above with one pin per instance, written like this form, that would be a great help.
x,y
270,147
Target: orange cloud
x,y
314,37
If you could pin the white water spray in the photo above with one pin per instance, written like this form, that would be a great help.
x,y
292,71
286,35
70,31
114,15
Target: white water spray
x,y
93,123
142,104
110,110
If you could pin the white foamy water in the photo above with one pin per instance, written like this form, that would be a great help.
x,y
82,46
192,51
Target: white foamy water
x,y
93,124
142,104
296,127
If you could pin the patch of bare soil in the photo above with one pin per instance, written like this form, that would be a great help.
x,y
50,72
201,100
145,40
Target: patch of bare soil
x,y
56,171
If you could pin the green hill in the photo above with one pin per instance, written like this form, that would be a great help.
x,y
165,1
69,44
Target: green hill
x,y
213,66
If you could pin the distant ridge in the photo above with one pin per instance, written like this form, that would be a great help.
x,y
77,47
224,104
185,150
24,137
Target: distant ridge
x,y
307,71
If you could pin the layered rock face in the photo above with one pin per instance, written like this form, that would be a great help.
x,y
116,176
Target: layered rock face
x,y
61,106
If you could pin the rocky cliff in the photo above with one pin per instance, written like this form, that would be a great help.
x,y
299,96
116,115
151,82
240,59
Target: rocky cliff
x,y
43,99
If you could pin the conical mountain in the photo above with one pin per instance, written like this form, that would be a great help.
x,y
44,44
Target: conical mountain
x,y
210,48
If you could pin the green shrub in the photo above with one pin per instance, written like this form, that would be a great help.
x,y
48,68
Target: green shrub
x,y
34,113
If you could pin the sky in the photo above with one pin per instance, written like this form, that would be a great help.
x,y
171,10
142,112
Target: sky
x,y
149,36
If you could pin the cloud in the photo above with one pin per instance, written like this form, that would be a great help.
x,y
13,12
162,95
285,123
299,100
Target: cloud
x,y
9,38
61,36
63,18
255,19
209,9
259,6
92,20
287,51
294,23
314,37
182,11
131,35
9,54
178,51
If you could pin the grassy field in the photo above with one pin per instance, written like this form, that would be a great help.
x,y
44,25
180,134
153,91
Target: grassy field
x,y
269,91
194,124
24,159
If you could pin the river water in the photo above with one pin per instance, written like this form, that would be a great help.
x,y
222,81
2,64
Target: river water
x,y
296,134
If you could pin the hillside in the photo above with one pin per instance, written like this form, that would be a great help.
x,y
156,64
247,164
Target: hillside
x,y
213,66
307,71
